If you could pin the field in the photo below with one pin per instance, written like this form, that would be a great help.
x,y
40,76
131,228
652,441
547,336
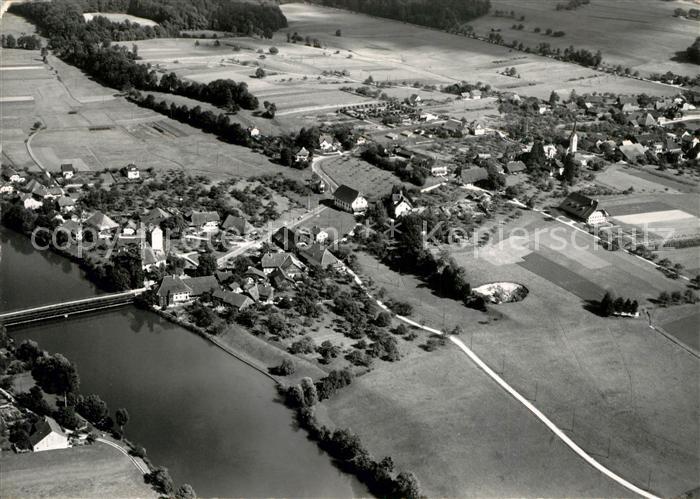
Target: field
x,y
96,470
120,18
597,378
639,34
358,174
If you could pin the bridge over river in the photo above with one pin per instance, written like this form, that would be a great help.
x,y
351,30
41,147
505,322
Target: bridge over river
x,y
68,308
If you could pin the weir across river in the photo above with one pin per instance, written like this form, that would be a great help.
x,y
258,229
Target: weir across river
x,y
68,308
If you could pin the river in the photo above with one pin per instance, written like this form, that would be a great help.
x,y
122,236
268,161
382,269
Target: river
x,y
213,421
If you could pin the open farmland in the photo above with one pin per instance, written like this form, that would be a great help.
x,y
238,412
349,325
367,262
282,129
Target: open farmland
x,y
96,470
640,34
120,18
396,52
593,376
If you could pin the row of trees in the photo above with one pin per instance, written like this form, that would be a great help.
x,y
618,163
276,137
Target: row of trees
x,y
442,14
610,305
27,42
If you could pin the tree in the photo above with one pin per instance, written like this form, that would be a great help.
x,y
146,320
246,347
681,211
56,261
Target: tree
x,y
553,98
160,479
338,32
383,319
207,264
693,51
309,390
407,486
10,41
122,418
260,73
607,305
328,351
285,368
185,491
274,50
67,418
93,408
56,374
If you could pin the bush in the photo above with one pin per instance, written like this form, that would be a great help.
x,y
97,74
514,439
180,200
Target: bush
x,y
303,346
285,368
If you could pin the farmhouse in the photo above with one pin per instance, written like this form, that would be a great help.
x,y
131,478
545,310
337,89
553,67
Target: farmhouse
x,y
285,238
66,204
238,225
235,300
155,216
319,256
632,152
29,202
476,128
67,171
400,204
348,199
100,222
283,261
473,175
48,435
327,143
302,155
205,220
173,291
132,172
583,208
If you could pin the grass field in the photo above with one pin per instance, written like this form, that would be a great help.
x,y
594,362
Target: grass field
x,y
120,18
639,34
358,174
631,390
96,470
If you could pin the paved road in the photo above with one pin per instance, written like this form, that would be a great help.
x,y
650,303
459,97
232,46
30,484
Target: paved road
x,y
273,228
139,465
316,168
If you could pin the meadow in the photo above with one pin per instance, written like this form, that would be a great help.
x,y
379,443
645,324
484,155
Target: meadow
x,y
640,34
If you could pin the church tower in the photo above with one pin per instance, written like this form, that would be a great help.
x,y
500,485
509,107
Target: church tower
x,y
573,142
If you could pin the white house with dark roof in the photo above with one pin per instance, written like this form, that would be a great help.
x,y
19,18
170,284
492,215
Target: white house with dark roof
x,y
302,155
583,208
348,199
132,172
48,435
208,221
67,170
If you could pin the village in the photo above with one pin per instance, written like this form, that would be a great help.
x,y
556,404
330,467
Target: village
x,y
354,237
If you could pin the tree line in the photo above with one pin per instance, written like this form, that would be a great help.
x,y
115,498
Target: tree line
x,y
442,14
27,42
246,18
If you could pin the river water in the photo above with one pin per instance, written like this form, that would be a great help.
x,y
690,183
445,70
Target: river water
x,y
213,421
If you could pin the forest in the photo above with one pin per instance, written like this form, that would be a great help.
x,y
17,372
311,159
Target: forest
x,y
240,17
442,14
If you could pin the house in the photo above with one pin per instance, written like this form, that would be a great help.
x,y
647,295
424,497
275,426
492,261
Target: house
x,y
206,221
287,262
583,208
648,120
406,133
234,300
630,101
67,171
439,170
473,175
453,125
400,204
266,293
223,275
66,204
6,188
348,199
513,167
672,145
29,201
414,99
392,136
286,238
132,172
632,152
155,216
327,143
320,256
238,225
36,189
100,222
315,235
475,94
302,155
9,173
48,435
254,132
476,128
173,291
201,285
53,193
428,117
550,150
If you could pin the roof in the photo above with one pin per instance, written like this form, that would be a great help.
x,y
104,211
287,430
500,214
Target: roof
x,y
471,175
43,429
578,205
203,217
239,224
172,284
223,275
234,299
202,284
319,256
515,166
303,152
65,201
67,167
36,188
453,124
155,216
150,257
278,260
346,194
101,221
632,151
